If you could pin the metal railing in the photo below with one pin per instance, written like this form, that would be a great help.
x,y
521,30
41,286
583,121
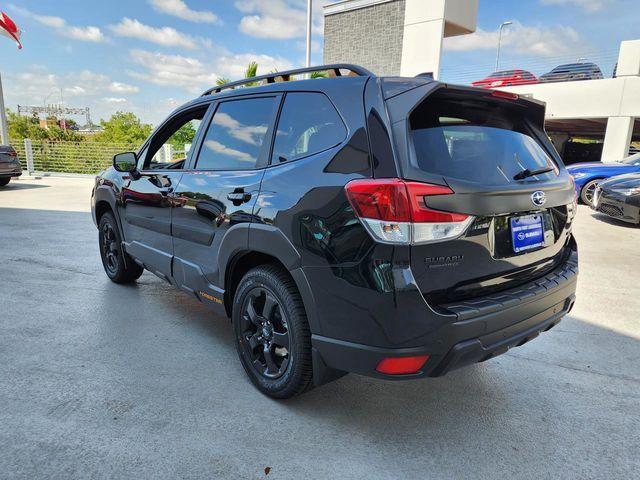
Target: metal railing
x,y
80,158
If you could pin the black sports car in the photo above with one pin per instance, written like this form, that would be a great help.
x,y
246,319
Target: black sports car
x,y
619,197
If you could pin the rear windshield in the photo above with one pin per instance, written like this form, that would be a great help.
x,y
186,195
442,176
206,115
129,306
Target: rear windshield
x,y
477,142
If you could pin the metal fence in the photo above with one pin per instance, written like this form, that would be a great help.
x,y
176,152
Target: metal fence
x,y
88,158
67,157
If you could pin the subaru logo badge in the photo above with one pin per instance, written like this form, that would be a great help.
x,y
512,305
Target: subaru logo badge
x,y
539,198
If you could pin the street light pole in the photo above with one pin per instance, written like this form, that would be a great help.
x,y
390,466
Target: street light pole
x,y
309,23
502,25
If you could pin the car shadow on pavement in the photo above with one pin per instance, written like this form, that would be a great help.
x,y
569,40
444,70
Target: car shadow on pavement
x,y
19,185
612,221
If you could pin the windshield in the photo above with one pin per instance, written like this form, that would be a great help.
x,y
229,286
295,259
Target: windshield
x,y
632,160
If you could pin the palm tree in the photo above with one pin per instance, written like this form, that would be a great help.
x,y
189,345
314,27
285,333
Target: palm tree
x,y
250,72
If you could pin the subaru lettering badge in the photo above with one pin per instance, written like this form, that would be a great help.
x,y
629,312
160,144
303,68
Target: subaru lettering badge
x,y
539,198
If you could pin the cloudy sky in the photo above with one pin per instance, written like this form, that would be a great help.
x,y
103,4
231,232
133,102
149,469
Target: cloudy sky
x,y
149,56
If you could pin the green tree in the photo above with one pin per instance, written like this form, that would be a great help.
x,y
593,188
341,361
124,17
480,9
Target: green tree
x,y
21,127
184,135
123,127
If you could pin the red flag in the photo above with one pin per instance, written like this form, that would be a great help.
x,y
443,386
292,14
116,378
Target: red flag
x,y
8,28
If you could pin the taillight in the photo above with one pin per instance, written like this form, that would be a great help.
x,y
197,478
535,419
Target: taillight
x,y
395,211
505,95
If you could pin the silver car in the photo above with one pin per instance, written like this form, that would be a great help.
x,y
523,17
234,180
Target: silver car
x,y
9,164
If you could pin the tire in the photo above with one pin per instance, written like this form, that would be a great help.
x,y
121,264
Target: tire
x,y
118,266
282,333
586,194
4,181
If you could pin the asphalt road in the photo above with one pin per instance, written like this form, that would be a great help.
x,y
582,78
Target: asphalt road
x,y
105,381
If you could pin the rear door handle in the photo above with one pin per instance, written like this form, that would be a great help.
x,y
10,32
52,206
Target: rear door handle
x,y
239,197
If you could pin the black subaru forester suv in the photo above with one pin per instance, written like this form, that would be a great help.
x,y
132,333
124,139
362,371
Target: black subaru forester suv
x,y
392,227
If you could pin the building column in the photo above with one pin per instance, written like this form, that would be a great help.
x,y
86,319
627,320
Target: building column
x,y
424,26
617,139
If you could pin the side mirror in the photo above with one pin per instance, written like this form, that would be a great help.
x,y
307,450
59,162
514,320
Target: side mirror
x,y
126,162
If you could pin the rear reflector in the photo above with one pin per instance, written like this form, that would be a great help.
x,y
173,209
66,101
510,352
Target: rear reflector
x,y
402,365
395,211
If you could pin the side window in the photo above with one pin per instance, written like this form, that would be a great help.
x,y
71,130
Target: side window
x,y
308,124
170,146
235,139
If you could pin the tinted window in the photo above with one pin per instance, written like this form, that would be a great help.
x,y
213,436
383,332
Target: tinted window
x,y
236,136
308,124
475,142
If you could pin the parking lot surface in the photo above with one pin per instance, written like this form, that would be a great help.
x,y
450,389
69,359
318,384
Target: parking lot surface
x,y
106,381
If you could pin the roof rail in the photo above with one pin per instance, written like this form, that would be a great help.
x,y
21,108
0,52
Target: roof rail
x,y
333,70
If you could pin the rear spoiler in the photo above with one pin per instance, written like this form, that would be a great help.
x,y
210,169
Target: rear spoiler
x,y
402,103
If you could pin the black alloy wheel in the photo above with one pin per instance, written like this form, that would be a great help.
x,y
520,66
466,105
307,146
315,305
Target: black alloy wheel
x,y
273,338
109,249
265,333
118,266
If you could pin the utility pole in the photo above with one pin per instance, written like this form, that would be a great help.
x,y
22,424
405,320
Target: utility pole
x,y
309,25
502,25
3,118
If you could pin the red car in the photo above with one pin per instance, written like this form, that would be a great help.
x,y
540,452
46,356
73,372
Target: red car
x,y
506,78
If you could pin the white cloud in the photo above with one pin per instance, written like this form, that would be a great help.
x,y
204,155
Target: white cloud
x,y
278,19
179,9
165,36
591,6
114,100
85,34
172,70
36,84
538,41
119,87
192,74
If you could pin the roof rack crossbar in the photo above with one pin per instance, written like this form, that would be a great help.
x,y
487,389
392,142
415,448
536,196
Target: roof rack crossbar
x,y
333,70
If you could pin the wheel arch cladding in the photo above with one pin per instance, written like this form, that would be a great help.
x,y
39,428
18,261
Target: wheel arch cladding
x,y
267,244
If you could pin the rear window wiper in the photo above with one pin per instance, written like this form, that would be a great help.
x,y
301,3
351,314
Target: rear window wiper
x,y
526,173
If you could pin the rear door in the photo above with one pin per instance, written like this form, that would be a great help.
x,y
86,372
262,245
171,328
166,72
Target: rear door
x,y
483,147
218,192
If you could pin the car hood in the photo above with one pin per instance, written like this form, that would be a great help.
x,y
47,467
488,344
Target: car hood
x,y
628,180
597,167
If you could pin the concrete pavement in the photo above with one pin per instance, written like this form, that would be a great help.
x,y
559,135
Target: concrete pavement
x,y
106,381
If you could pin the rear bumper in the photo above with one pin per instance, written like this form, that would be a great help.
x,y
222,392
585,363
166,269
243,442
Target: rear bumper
x,y
484,328
10,170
